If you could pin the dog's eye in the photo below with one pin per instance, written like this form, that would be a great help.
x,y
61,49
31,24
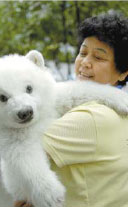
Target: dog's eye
x,y
3,98
29,89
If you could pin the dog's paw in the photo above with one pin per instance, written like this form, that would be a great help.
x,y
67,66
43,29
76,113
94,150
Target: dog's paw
x,y
121,107
55,197
51,196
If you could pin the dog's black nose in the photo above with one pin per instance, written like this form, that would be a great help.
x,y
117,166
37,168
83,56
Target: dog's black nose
x,y
25,114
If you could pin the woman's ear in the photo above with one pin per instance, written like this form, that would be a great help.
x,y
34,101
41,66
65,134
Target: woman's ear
x,y
123,76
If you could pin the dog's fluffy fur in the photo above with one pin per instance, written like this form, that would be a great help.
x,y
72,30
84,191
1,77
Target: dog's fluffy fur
x,y
29,101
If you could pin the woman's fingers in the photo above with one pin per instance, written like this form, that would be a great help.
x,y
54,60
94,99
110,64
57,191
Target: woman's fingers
x,y
28,205
19,203
22,204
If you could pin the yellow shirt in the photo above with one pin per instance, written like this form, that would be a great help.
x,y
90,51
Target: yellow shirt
x,y
89,151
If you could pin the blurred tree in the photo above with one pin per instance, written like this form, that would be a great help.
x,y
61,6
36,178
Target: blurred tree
x,y
48,26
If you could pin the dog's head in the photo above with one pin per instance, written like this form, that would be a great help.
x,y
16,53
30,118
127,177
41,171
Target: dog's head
x,y
26,90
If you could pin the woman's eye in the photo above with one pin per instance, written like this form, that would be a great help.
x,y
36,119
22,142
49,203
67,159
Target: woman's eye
x,y
3,98
82,54
29,89
98,58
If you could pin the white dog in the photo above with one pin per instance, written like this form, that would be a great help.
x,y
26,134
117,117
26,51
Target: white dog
x,y
29,101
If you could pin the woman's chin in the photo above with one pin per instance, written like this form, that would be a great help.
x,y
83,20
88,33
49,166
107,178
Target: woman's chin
x,y
84,78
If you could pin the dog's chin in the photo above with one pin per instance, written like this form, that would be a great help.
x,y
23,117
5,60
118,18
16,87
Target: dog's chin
x,y
29,120
22,124
26,123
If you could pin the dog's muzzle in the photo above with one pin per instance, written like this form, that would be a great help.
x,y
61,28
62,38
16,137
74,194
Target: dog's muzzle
x,y
25,115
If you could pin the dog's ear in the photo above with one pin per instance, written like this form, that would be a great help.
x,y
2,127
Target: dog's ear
x,y
36,57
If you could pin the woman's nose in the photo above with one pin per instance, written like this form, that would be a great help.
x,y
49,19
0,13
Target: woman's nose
x,y
86,62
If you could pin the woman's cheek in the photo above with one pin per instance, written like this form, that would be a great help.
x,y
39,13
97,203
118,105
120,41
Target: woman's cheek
x,y
77,66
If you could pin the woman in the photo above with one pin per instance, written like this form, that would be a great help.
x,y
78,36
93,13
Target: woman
x,y
88,145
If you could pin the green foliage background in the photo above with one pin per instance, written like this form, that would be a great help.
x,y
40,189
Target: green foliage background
x,y
48,26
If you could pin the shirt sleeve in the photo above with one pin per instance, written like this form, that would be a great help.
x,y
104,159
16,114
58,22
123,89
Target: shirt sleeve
x,y
72,138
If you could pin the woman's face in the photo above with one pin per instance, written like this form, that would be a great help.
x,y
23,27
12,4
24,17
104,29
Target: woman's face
x,y
95,62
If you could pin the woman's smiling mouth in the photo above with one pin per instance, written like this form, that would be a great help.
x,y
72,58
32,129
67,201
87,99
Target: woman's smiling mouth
x,y
84,76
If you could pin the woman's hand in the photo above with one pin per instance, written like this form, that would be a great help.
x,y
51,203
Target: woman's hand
x,y
22,204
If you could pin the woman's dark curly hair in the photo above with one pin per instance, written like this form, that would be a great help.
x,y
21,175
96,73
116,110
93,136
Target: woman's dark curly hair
x,y
111,28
